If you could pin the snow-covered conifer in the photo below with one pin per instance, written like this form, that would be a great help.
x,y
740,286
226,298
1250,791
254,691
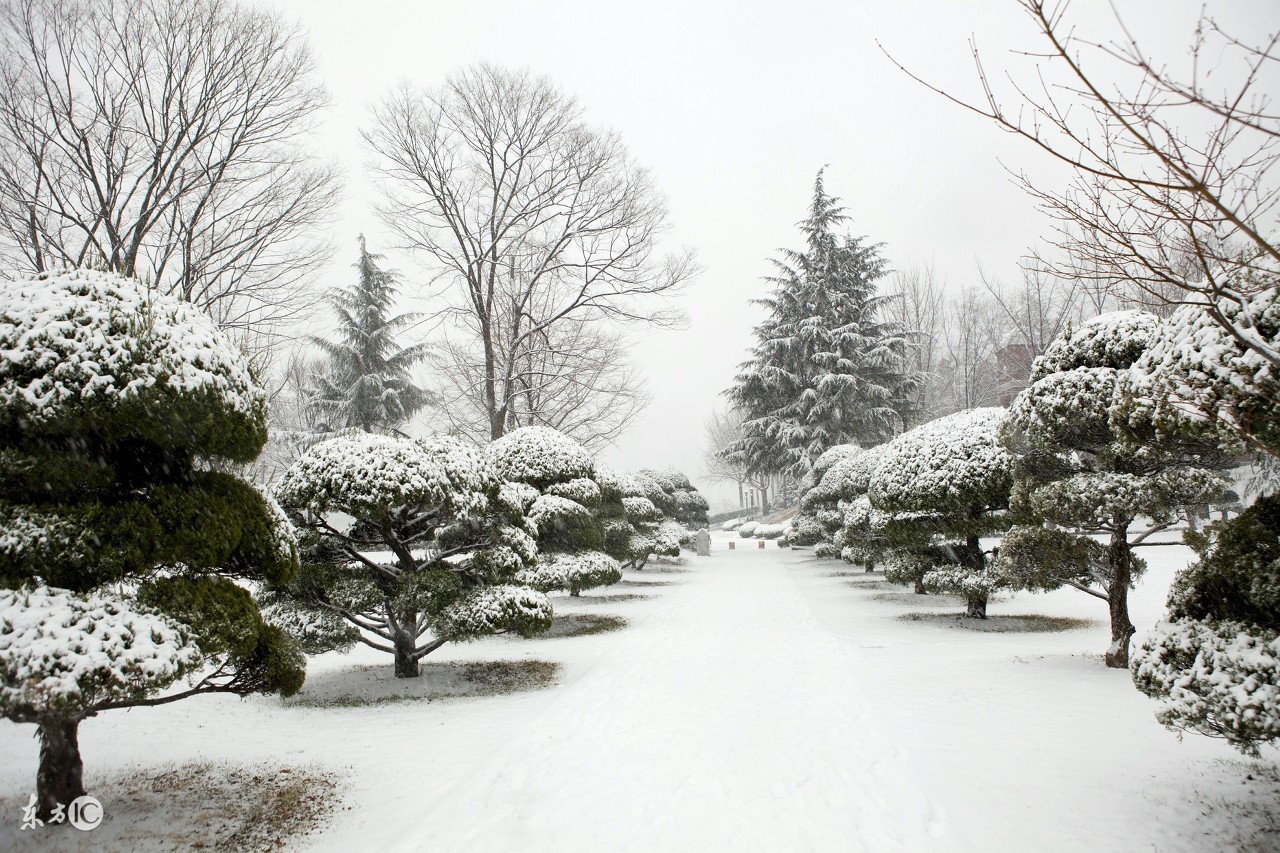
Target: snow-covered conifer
x,y
565,513
368,384
117,406
1091,461
1215,664
827,368
435,538
944,485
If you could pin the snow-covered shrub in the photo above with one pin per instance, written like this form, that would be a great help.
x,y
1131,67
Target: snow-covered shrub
x,y
845,475
668,539
1090,460
493,609
640,509
770,531
434,528
732,525
746,531
1215,665
573,502
118,405
540,457
944,485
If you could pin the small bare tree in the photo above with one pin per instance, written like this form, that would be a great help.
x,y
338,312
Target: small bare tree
x,y
723,430
975,330
167,140
918,306
531,219
1174,192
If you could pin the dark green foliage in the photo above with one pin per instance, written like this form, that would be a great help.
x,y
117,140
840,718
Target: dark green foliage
x,y
826,368
228,611
1238,574
369,384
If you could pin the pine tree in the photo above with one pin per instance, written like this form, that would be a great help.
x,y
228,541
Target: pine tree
x,y
125,549
369,386
825,369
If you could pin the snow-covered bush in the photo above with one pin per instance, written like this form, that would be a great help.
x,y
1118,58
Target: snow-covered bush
x,y
120,536
571,500
1091,461
746,531
432,532
770,531
944,485
731,525
1215,665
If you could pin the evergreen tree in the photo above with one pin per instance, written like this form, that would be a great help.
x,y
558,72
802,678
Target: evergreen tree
x,y
368,385
124,549
825,369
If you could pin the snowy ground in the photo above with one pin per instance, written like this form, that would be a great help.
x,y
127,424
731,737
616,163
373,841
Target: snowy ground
x,y
758,700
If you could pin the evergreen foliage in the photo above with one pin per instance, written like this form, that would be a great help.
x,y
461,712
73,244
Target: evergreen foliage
x,y
1215,664
1090,459
369,385
433,555
119,544
826,368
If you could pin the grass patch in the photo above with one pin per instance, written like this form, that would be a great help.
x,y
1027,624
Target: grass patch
x,y
1247,821
360,686
1028,623
950,602
198,806
644,583
582,625
612,597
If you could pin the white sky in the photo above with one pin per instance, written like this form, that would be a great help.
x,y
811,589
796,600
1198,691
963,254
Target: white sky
x,y
734,106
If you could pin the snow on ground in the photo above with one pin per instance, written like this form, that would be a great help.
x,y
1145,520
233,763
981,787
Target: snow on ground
x,y
758,700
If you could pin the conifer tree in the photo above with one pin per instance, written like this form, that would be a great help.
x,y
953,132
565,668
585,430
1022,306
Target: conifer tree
x,y
124,547
826,369
368,385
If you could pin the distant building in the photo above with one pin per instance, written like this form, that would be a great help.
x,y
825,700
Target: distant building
x,y
1013,371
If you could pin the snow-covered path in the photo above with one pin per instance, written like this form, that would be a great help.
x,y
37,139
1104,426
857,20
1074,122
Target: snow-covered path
x,y
729,720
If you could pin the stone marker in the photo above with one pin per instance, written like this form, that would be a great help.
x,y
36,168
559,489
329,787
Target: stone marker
x,y
760,544
703,541
733,545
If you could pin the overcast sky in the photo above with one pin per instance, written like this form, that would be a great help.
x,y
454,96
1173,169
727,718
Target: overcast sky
x,y
734,106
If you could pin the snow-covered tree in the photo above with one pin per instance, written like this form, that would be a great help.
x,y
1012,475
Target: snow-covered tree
x,y
554,477
1215,664
121,542
944,485
819,516
827,367
368,384
435,552
1091,462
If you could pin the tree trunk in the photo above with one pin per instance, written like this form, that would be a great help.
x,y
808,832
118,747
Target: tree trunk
x,y
976,607
406,645
1120,561
920,590
972,558
59,779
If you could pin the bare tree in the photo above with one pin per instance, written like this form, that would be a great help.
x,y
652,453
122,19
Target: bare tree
x,y
530,219
723,430
917,306
164,139
1039,308
573,376
1174,190
975,329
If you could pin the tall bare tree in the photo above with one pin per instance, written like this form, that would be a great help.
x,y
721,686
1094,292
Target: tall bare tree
x,y
164,139
530,218
1174,190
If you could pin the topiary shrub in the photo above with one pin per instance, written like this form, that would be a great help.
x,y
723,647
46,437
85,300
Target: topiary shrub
x,y
120,543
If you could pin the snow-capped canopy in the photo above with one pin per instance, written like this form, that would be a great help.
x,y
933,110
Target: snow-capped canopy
x,y
88,346
365,475
1114,340
62,651
948,463
540,456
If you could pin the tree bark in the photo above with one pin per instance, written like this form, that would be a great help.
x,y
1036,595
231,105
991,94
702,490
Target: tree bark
x,y
972,558
1120,561
976,607
920,590
59,779
406,645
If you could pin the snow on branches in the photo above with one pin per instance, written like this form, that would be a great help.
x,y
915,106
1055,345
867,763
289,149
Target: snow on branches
x,y
84,349
364,474
540,456
495,609
65,652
